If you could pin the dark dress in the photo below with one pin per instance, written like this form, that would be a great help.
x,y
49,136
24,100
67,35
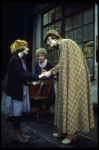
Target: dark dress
x,y
47,66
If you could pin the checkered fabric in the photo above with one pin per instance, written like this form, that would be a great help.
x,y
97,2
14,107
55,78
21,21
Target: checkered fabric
x,y
73,104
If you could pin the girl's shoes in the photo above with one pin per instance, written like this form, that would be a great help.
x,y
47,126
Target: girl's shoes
x,y
69,139
23,135
18,138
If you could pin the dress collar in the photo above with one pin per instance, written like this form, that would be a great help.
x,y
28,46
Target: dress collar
x,y
44,63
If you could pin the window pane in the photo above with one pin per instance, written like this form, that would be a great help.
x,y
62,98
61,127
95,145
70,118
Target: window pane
x,y
45,19
88,32
58,27
58,12
80,45
45,31
69,35
69,24
69,9
78,20
78,35
88,16
90,66
52,15
51,27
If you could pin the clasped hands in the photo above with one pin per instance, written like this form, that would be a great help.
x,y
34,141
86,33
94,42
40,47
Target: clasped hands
x,y
45,74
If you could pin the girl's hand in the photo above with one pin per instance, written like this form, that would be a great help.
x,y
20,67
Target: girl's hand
x,y
35,83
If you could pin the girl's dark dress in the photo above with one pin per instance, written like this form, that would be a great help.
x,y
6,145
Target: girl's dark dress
x,y
47,66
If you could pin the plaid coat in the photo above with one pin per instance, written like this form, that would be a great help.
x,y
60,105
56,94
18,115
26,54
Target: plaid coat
x,y
73,104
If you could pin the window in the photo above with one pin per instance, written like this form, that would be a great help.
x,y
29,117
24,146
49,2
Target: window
x,y
72,21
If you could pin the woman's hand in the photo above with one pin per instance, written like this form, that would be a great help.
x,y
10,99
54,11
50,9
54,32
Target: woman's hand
x,y
48,74
45,74
42,75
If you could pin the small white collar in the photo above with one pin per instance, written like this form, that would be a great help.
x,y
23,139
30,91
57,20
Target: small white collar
x,y
44,63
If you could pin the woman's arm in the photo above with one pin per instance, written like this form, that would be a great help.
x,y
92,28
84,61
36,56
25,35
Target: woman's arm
x,y
55,70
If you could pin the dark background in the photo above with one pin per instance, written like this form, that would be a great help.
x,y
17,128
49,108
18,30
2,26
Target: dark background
x,y
16,23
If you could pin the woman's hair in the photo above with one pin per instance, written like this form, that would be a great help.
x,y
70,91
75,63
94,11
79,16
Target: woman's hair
x,y
41,51
18,46
54,37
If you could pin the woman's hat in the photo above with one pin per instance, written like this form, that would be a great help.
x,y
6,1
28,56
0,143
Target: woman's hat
x,y
18,46
50,33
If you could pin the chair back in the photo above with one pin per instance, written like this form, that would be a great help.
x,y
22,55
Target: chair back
x,y
47,84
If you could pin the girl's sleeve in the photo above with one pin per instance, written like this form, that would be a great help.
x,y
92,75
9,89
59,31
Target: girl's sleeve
x,y
24,76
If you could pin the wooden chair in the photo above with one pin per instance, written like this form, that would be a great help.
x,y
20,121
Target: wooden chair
x,y
45,85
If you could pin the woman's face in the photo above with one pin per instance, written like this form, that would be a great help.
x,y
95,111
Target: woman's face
x,y
41,58
51,42
26,50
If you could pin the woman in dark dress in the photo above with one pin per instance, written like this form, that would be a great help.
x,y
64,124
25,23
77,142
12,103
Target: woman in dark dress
x,y
41,66
15,98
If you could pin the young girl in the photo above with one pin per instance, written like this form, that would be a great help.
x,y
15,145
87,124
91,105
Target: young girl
x,y
15,98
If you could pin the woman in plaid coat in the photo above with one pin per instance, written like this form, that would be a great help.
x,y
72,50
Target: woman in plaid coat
x,y
73,104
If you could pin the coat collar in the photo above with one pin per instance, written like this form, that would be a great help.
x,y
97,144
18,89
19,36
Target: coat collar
x,y
59,42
